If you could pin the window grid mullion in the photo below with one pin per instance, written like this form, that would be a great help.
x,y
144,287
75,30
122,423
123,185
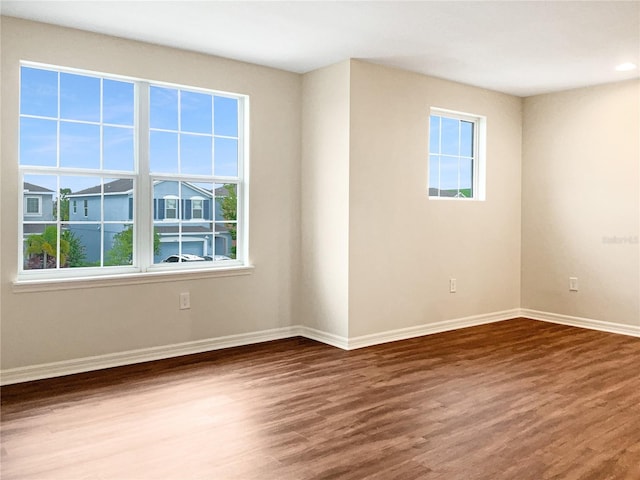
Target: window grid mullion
x,y
439,156
459,153
143,188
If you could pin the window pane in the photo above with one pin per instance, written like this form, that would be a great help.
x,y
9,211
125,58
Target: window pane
x,y
38,142
450,136
466,178
79,145
195,112
118,244
117,101
118,148
82,206
466,139
163,152
200,196
226,157
167,238
448,177
162,191
434,134
86,192
195,155
225,111
163,108
40,246
42,187
88,235
434,174
79,97
118,201
77,256
226,227
197,202
38,92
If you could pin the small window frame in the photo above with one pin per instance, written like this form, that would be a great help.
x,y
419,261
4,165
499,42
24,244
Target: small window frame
x,y
201,201
176,202
478,155
38,199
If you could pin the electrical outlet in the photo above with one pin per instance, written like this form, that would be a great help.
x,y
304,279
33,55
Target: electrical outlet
x,y
573,284
452,285
185,301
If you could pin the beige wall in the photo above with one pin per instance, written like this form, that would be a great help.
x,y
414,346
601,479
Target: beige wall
x,y
405,247
581,169
343,235
52,326
325,200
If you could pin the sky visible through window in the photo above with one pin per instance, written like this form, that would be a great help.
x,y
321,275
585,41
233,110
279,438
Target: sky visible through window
x,y
85,122
451,157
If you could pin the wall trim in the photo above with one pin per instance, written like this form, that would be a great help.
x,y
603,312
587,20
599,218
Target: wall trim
x,y
323,337
431,328
87,364
591,324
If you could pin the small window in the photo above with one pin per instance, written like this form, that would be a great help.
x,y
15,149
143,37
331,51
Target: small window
x,y
75,207
170,208
455,165
86,208
197,208
34,206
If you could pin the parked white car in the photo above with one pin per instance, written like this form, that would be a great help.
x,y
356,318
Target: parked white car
x,y
185,257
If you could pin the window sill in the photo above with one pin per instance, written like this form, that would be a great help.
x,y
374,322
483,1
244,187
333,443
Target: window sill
x,y
74,283
457,199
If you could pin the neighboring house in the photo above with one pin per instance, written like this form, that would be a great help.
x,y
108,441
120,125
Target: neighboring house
x,y
37,207
84,206
193,208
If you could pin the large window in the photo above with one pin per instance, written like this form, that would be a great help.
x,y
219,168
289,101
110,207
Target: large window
x,y
157,169
455,163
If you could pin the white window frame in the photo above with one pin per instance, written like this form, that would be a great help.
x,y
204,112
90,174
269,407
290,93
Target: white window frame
x,y
176,209
75,207
27,213
86,208
143,268
478,155
201,209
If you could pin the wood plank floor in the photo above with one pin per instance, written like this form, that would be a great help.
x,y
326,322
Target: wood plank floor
x,y
514,400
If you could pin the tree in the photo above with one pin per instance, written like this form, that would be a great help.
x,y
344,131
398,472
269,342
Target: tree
x,y
229,210
121,252
77,252
63,201
43,249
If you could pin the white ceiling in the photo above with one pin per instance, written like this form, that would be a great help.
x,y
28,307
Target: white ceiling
x,y
522,48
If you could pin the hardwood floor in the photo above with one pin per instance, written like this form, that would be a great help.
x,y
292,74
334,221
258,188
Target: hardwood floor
x,y
514,400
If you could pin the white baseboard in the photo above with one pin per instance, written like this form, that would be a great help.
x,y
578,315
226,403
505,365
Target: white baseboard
x,y
431,328
87,364
610,327
324,337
